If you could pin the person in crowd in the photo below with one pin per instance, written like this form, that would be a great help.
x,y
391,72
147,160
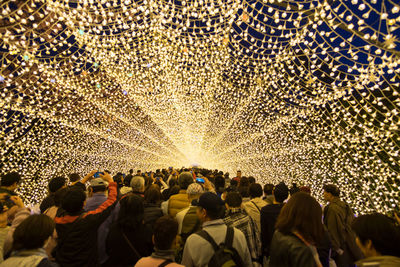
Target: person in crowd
x,y
254,206
8,184
75,181
252,180
97,194
238,176
269,215
268,196
166,192
138,186
198,251
306,189
299,229
164,237
128,178
236,217
219,185
294,189
243,188
77,230
174,190
187,218
29,239
54,185
180,201
379,239
152,202
129,238
4,228
338,217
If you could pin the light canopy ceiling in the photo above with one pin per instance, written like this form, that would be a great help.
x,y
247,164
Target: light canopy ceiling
x,y
300,91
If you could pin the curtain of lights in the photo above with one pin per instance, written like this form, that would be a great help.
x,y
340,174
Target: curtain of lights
x,y
299,91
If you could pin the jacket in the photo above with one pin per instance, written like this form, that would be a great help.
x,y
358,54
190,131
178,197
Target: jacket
x,y
20,215
253,209
118,249
289,251
198,251
95,201
268,217
29,258
47,202
78,232
379,261
151,213
178,202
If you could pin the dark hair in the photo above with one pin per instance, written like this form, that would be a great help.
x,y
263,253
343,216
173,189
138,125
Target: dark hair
x,y
127,180
233,199
234,182
56,183
294,189
219,183
306,189
131,213
252,180
173,190
268,189
165,231
333,189
73,200
33,232
302,213
378,228
243,190
216,214
244,181
255,190
73,177
59,196
131,171
99,188
10,178
153,195
172,182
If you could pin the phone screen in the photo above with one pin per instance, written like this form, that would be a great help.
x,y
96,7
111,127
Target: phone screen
x,y
200,180
97,174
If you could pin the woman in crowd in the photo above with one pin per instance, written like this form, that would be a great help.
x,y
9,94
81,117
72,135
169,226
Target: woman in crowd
x,y
129,238
29,238
152,203
298,230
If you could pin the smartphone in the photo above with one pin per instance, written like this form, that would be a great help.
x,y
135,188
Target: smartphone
x,y
97,174
200,180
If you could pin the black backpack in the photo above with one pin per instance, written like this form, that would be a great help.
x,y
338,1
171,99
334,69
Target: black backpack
x,y
224,254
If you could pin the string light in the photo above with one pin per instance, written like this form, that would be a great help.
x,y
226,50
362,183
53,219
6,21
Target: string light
x,y
300,91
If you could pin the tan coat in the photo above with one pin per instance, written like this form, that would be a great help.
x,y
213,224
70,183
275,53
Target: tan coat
x,y
253,208
178,202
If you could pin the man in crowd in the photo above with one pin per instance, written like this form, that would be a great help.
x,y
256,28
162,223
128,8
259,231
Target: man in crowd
x,y
77,230
198,251
269,215
54,185
338,217
165,231
180,201
238,176
236,217
268,196
254,206
138,185
9,183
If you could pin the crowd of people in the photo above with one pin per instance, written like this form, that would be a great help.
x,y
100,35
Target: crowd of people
x,y
188,217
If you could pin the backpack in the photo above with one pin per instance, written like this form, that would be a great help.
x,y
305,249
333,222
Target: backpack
x,y
224,254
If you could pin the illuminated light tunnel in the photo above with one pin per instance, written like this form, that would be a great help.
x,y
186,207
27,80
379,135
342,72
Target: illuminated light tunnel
x,y
295,91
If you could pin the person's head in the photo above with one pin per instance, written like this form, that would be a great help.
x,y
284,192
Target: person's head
x,y
252,180
377,235
174,190
209,207
194,191
59,196
131,171
165,231
238,173
73,201
138,172
56,183
98,185
255,190
268,188
153,195
330,192
244,181
219,183
234,183
281,192
294,189
131,213
302,213
138,184
11,180
306,189
172,182
74,177
33,232
185,179
233,200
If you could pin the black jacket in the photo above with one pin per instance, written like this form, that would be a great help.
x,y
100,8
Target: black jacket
x,y
77,233
119,251
47,202
269,214
289,251
151,213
